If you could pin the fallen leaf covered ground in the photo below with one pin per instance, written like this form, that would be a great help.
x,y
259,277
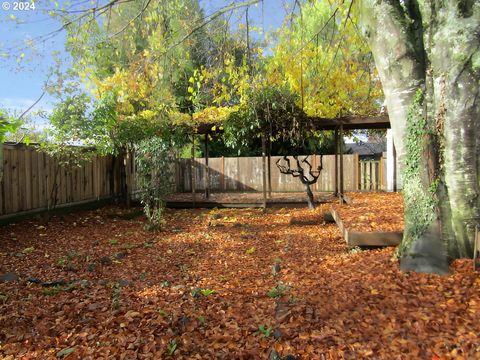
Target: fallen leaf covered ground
x,y
250,197
222,284
372,212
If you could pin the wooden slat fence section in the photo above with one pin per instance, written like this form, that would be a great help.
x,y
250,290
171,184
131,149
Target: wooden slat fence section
x,y
29,179
245,174
372,175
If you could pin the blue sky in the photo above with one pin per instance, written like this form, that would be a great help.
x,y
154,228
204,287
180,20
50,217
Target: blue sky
x,y
22,82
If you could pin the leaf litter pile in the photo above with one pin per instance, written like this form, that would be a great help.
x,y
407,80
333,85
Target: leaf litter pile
x,y
372,212
222,284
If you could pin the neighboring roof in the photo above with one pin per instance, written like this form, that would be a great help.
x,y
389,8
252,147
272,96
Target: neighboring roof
x,y
365,149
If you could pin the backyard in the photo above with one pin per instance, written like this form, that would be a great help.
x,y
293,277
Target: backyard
x,y
226,284
241,179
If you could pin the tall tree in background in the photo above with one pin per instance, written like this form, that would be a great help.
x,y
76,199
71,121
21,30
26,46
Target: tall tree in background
x,y
135,60
428,56
323,57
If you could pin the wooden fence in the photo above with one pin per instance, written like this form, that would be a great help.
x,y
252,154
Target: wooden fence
x,y
245,174
372,175
34,180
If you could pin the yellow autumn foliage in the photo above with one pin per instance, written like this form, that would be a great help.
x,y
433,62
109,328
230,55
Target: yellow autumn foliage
x,y
214,114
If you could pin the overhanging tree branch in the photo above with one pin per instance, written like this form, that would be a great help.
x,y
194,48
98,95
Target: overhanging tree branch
x,y
208,19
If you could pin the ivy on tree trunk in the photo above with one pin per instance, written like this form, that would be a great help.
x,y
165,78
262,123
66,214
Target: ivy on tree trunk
x,y
428,57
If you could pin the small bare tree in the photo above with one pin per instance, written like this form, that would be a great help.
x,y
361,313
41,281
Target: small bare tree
x,y
304,170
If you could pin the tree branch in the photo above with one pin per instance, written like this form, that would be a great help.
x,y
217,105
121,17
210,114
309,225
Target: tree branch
x,y
146,3
208,19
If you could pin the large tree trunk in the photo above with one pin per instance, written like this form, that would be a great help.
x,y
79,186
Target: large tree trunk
x,y
397,48
454,53
441,127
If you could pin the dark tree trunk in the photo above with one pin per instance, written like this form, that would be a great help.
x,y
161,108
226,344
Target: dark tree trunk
x,y
310,198
119,174
304,171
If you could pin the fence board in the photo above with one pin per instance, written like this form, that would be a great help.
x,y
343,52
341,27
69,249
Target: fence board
x,y
7,180
22,183
41,180
14,185
28,178
372,176
86,181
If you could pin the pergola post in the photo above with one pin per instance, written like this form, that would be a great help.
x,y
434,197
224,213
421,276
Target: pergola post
x,y
264,171
335,193
192,170
340,142
269,164
207,169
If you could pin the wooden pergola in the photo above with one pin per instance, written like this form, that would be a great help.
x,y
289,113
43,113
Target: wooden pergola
x,y
338,125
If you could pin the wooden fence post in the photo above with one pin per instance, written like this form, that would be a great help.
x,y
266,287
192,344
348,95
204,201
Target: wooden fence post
x,y
383,185
340,140
264,175
222,174
335,193
207,169
269,165
193,175
128,184
356,162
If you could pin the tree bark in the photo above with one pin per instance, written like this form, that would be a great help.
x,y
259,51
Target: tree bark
x,y
432,46
400,60
310,198
454,54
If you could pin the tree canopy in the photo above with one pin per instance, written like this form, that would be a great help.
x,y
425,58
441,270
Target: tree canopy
x,y
145,64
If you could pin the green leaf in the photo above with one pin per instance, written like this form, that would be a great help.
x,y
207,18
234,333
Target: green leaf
x,y
250,251
171,347
206,292
28,250
66,351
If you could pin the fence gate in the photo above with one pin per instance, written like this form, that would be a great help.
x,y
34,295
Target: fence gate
x,y
370,175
